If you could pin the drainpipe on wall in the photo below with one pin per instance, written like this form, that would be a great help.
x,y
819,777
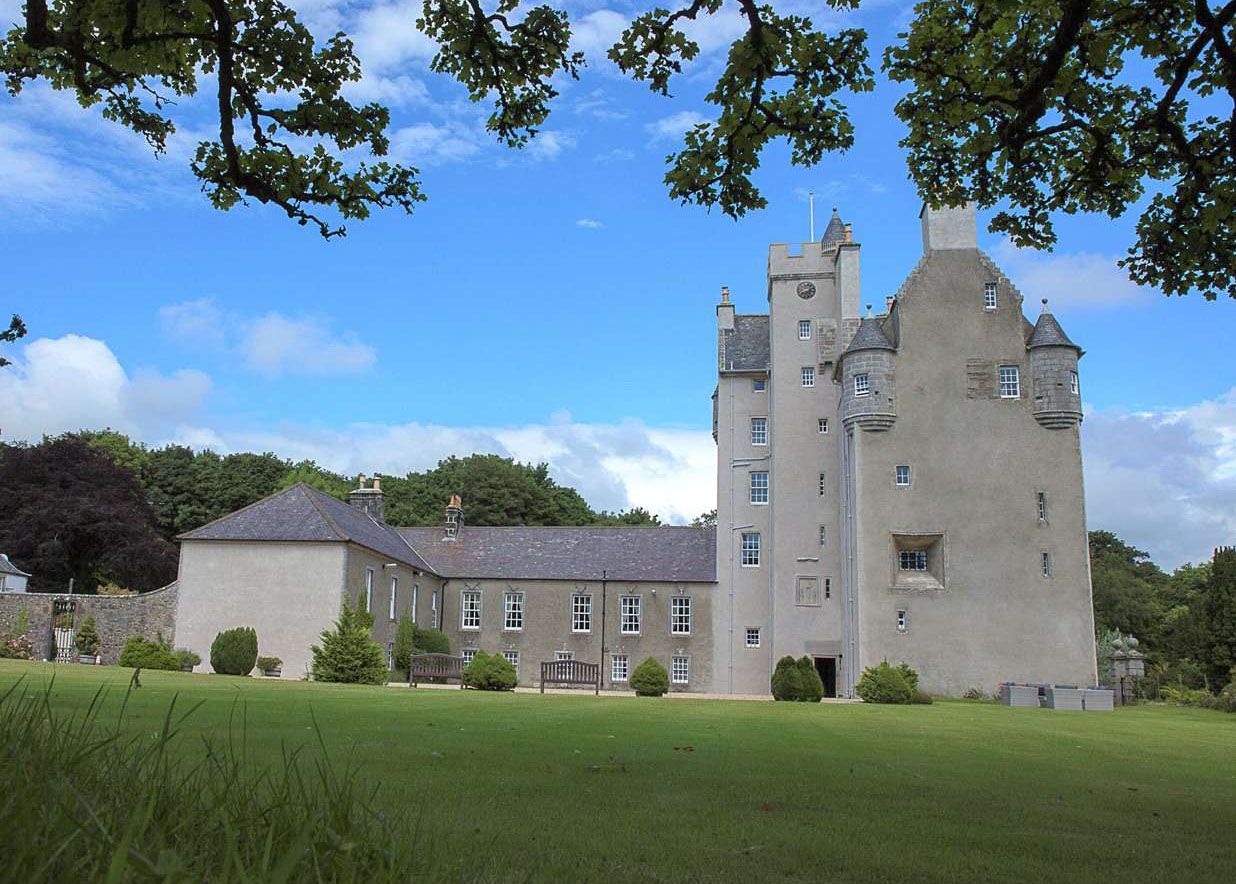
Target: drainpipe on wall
x,y
604,575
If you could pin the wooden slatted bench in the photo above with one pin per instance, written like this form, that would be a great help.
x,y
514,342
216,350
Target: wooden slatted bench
x,y
571,672
442,666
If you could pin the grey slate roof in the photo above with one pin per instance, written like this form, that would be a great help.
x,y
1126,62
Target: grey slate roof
x,y
1048,333
746,347
835,232
305,514
870,336
7,567
670,554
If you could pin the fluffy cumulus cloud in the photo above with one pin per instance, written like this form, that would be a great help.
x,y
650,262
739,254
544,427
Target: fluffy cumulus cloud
x,y
58,385
274,344
1165,481
1074,280
674,126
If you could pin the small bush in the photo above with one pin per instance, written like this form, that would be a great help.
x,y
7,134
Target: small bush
x,y
812,684
920,698
909,675
490,672
187,658
141,654
787,680
234,651
348,655
650,679
265,664
430,641
405,647
884,684
87,636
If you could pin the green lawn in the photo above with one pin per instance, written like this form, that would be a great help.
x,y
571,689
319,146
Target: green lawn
x,y
575,788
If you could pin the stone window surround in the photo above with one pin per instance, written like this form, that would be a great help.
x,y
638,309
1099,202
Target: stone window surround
x,y
470,609
935,544
619,667
630,608
581,613
513,610
680,669
862,384
680,615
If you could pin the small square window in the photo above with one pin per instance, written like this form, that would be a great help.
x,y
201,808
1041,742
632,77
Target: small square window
x,y
903,476
753,636
750,550
903,621
619,667
862,385
823,484
912,559
821,425
680,670
804,329
1046,559
989,296
828,587
759,487
758,385
759,431
1010,382
808,375
1074,386
823,535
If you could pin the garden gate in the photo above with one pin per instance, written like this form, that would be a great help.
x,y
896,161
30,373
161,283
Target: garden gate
x,y
63,616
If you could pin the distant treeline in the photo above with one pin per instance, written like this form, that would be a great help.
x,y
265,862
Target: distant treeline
x,y
99,508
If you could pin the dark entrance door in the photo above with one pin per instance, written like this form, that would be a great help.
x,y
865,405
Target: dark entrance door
x,y
827,667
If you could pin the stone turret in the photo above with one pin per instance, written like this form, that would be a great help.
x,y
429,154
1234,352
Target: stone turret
x,y
1053,368
867,378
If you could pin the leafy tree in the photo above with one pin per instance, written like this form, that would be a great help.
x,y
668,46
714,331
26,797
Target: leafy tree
x,y
1126,586
347,653
71,512
16,329
119,447
1220,614
705,520
278,94
86,636
1049,107
309,473
430,641
637,516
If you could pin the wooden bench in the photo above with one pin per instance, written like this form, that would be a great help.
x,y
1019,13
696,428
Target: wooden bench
x,y
571,672
442,666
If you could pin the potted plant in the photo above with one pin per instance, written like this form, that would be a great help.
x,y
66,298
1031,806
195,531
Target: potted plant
x,y
272,667
87,639
187,660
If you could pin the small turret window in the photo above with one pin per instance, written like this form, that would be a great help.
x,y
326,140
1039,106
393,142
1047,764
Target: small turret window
x,y
1074,387
862,385
989,296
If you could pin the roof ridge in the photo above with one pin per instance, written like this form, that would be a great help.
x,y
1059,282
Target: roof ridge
x,y
247,506
343,535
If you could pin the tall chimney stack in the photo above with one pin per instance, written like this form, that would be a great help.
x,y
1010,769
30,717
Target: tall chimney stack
x,y
725,311
369,500
454,517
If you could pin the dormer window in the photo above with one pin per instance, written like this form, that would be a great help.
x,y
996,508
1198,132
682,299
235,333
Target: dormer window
x,y
989,296
862,385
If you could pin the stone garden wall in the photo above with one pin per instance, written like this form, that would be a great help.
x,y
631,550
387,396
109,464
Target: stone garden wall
x,y
149,614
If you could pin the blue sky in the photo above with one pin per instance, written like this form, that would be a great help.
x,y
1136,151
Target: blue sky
x,y
550,304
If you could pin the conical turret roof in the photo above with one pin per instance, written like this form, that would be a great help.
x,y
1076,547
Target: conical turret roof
x,y
870,336
1048,333
835,232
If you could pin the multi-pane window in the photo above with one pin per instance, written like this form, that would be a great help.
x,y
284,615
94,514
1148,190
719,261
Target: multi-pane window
x,y
433,610
467,654
807,591
821,425
680,615
619,667
753,636
912,559
989,296
1074,387
1046,564
823,484
564,655
862,384
1010,382
394,595
758,385
759,487
828,587
581,613
513,610
1042,506
680,670
804,329
750,550
903,476
823,534
630,609
416,596
512,657
470,609
903,621
808,375
369,590
390,655
759,431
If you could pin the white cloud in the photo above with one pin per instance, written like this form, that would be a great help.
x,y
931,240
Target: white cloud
x,y
36,175
385,36
198,322
589,224
62,384
426,144
398,91
549,144
595,32
274,344
674,126
1165,480
1075,280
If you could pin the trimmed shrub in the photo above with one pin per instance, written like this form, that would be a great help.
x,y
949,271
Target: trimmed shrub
x,y
884,684
909,675
650,679
265,664
187,658
430,641
920,698
348,655
490,672
787,680
234,651
405,645
812,684
87,636
141,654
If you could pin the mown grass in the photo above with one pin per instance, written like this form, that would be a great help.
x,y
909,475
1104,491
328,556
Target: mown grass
x,y
526,787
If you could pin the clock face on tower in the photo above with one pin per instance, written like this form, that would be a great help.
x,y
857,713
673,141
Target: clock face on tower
x,y
806,290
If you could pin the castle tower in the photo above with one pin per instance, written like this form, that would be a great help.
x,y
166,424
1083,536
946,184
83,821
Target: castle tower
x,y
1053,369
868,398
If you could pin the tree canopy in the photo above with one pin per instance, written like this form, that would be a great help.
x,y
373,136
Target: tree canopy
x,y
1050,106
16,329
